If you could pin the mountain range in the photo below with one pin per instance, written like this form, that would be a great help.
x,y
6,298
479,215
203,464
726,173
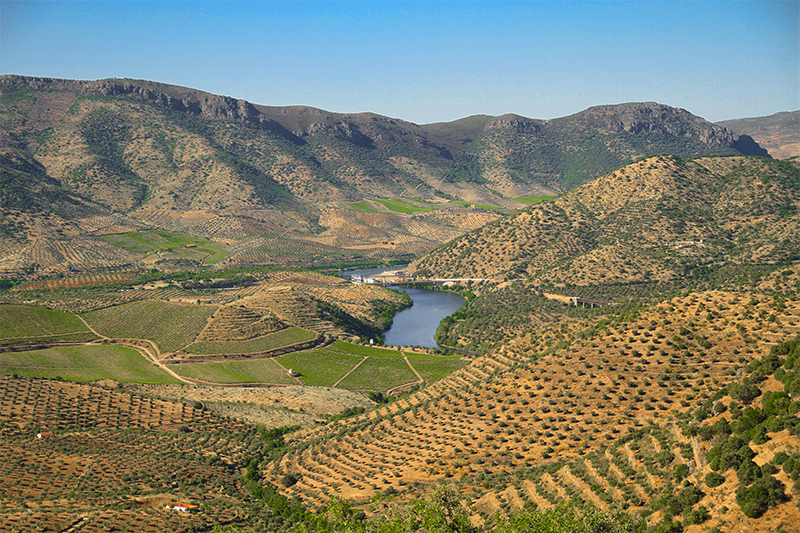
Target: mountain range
x,y
145,155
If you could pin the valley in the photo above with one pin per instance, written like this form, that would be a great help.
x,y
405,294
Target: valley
x,y
173,330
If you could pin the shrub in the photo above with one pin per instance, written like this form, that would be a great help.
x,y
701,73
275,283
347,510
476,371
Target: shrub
x,y
288,480
680,471
760,496
695,516
713,479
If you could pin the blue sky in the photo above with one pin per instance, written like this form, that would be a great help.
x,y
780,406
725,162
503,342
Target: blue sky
x,y
427,61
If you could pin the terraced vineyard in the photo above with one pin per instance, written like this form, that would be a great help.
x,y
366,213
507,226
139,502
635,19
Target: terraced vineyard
x,y
81,281
59,256
107,224
30,405
267,343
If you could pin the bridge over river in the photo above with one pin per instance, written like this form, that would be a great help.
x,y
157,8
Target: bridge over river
x,y
401,277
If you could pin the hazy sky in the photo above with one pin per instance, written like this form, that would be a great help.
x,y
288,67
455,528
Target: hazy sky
x,y
427,61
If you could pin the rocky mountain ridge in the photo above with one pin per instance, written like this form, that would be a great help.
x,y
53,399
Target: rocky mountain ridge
x,y
171,157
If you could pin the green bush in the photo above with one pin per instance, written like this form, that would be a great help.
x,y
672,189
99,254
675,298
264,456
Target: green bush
x,y
730,453
680,472
760,496
714,479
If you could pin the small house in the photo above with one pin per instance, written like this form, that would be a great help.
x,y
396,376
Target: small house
x,y
179,506
44,435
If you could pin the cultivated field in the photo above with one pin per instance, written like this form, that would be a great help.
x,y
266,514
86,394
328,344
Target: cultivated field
x,y
84,363
267,343
379,374
170,326
30,405
114,460
272,407
23,322
244,371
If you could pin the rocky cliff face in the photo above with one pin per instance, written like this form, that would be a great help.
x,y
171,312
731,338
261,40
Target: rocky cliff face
x,y
515,123
651,117
194,103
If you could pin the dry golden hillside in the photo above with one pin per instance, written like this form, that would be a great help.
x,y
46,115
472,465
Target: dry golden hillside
x,y
545,417
656,219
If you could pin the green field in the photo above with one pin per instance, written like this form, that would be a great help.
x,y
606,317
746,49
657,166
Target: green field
x,y
217,251
362,206
359,349
321,368
146,241
266,343
420,201
435,367
27,321
533,200
170,326
380,373
401,207
83,363
245,371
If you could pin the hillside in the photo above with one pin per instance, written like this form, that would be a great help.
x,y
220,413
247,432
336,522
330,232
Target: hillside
x,y
779,134
661,218
606,411
681,414
307,182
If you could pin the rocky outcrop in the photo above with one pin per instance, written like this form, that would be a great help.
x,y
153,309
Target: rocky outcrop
x,y
515,123
655,118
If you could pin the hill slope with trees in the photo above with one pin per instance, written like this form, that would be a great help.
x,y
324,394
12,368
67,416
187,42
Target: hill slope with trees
x,y
661,218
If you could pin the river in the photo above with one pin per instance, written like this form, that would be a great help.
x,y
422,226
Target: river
x,y
416,326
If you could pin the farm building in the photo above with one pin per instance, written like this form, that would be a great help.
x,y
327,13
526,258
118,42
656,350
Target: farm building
x,y
44,435
178,506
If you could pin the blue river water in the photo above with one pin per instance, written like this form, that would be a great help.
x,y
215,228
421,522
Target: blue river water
x,y
416,326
